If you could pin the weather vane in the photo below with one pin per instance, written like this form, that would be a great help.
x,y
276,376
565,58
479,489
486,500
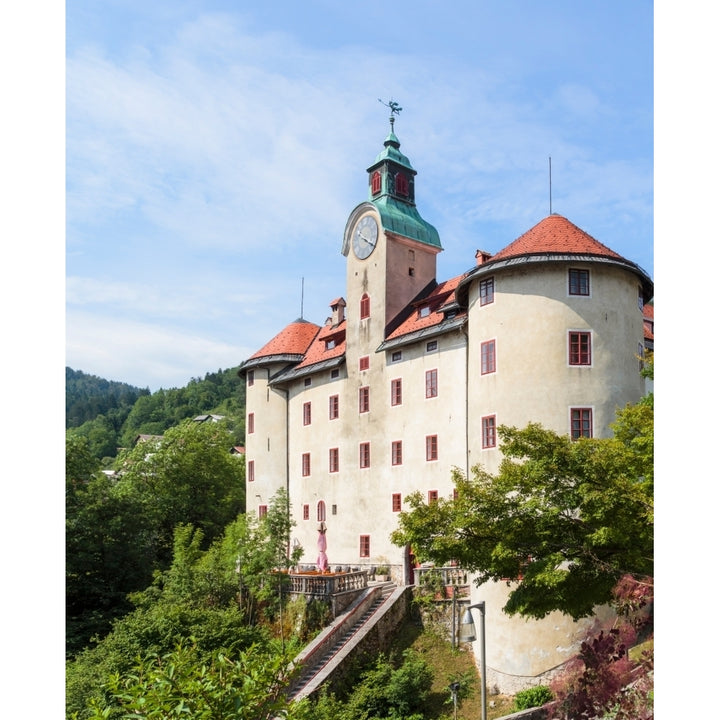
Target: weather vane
x,y
395,109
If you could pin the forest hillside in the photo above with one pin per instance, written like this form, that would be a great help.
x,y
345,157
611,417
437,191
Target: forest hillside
x,y
111,414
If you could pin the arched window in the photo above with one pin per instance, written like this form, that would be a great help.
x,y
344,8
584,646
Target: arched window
x,y
364,306
401,184
321,511
375,183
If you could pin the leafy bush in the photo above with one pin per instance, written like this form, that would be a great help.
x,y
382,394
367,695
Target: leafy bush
x,y
533,697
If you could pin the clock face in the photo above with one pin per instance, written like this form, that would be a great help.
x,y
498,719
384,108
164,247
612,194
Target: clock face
x,y
365,237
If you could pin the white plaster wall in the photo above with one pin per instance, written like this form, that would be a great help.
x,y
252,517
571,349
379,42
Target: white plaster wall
x,y
521,653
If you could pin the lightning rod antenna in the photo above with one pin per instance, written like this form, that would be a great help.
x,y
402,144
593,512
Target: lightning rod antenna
x,y
302,296
550,171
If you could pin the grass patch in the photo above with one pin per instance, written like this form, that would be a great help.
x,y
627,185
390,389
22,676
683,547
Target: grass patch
x,y
449,664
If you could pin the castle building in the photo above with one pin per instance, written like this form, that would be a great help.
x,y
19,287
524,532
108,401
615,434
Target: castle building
x,y
410,377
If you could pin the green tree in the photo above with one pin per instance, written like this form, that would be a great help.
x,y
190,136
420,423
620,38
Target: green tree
x,y
184,683
566,519
188,477
109,546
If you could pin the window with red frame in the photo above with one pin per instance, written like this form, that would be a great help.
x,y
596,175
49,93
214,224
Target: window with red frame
x,y
306,512
580,348
334,407
375,183
432,496
396,391
364,399
262,511
487,357
396,452
396,502
580,423
334,460
489,438
307,413
364,306
364,546
401,184
578,282
365,455
487,291
365,362
251,471
431,447
251,423
431,383
321,511
305,464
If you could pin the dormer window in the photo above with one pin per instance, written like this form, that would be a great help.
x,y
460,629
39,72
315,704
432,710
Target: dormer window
x,y
424,311
329,344
375,183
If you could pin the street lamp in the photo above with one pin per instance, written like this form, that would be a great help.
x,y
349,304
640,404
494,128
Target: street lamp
x,y
467,634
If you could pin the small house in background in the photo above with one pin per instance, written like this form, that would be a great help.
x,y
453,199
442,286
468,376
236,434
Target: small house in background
x,y
237,450
208,418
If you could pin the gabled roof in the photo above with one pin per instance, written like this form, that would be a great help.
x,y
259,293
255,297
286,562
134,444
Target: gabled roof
x,y
329,343
437,301
555,234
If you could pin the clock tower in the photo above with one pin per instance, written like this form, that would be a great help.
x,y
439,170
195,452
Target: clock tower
x,y
391,251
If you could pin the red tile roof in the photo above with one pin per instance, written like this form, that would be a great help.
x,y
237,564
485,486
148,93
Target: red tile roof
x,y
292,340
555,234
318,350
443,294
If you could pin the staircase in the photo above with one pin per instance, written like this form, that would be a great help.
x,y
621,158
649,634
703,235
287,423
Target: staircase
x,y
324,655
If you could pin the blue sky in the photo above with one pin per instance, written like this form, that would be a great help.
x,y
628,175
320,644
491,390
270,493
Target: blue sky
x,y
215,149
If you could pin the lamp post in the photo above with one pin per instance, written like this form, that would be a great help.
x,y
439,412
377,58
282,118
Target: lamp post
x,y
467,634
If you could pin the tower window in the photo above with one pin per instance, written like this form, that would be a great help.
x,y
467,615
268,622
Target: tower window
x,y
307,413
396,356
364,399
487,291
432,496
396,502
251,423
580,423
578,282
251,471
305,464
262,511
401,184
487,357
431,346
364,546
334,460
375,183
321,511
251,377
365,362
334,407
364,306
306,512
580,348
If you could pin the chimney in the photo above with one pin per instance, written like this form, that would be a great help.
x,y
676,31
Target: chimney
x,y
482,257
338,311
